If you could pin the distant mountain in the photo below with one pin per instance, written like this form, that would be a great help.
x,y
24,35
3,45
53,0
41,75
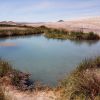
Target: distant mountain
x,y
60,21
8,22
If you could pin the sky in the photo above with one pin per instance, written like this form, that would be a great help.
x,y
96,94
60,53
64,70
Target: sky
x,y
47,10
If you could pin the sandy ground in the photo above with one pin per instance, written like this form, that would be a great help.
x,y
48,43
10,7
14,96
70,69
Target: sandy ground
x,y
13,94
84,24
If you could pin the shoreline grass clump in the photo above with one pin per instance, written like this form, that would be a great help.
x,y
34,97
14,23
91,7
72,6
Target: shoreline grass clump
x,y
74,35
2,97
84,82
19,32
56,33
83,36
18,79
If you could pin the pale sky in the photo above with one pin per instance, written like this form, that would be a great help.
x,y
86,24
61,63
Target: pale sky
x,y
47,10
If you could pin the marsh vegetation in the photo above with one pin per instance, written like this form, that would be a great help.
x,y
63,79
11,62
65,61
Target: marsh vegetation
x,y
20,30
2,97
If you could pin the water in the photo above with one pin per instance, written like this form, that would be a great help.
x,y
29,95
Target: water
x,y
48,60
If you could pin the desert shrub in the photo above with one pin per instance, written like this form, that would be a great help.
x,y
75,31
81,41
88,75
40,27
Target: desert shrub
x,y
92,36
56,33
84,82
19,79
75,33
84,36
2,97
19,32
5,68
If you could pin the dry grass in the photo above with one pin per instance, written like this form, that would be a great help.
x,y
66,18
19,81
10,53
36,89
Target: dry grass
x,y
2,97
84,82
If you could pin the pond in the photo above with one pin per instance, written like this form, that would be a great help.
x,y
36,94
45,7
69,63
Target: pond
x,y
47,60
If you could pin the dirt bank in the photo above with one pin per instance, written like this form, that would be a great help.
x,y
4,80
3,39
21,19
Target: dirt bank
x,y
13,94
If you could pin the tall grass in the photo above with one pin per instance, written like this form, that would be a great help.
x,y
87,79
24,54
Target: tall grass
x,y
63,34
84,82
56,33
83,36
19,79
19,32
2,97
5,68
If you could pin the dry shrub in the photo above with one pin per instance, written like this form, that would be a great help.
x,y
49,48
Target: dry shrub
x,y
84,82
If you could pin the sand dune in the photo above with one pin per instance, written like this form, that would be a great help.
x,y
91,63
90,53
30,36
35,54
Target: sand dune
x,y
83,24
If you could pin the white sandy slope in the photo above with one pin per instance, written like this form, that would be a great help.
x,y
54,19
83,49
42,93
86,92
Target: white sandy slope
x,y
13,94
83,24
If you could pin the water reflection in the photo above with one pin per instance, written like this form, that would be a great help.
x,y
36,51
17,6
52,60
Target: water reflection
x,y
77,42
88,42
16,37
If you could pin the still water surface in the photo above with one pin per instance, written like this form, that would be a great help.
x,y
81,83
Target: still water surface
x,y
48,60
